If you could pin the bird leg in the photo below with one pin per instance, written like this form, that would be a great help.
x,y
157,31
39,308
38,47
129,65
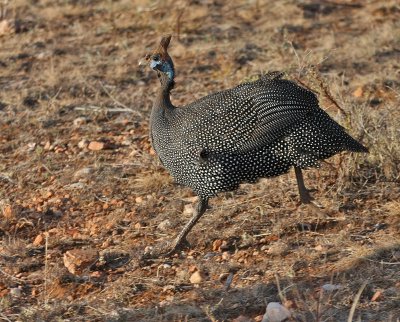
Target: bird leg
x,y
180,240
305,196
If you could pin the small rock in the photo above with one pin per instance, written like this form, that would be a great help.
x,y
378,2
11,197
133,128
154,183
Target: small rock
x,y
7,210
169,288
75,186
331,287
31,146
319,248
188,209
47,146
164,225
80,121
290,304
15,292
278,248
210,255
39,240
6,27
196,278
358,92
48,194
216,245
225,256
82,173
77,260
242,318
376,296
276,312
96,274
96,146
126,142
43,55
82,144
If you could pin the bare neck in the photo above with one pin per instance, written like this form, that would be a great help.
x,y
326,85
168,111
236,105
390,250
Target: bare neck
x,y
163,95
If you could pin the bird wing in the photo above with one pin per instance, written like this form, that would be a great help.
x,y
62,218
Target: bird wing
x,y
248,116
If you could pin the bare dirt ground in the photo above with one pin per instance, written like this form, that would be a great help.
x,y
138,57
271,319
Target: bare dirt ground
x,y
82,194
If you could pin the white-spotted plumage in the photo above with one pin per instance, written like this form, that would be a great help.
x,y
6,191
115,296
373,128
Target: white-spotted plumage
x,y
255,130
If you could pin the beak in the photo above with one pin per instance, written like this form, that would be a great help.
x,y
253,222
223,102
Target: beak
x,y
143,62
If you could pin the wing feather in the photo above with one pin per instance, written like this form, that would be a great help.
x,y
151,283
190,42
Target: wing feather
x,y
248,116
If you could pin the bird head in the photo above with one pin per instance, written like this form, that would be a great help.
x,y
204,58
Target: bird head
x,y
159,60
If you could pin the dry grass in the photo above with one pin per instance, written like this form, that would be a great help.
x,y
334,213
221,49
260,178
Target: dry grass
x,y
69,76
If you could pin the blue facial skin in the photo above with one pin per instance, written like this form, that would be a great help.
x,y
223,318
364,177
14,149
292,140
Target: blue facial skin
x,y
164,67
154,64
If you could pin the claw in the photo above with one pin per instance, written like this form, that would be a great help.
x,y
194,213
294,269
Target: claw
x,y
167,249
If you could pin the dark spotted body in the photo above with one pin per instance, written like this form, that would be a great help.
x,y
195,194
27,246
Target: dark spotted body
x,y
257,129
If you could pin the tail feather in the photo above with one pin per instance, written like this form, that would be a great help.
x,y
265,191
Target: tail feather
x,y
355,146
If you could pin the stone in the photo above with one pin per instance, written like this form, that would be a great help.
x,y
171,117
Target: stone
x,y
96,146
196,278
82,173
78,260
164,225
276,312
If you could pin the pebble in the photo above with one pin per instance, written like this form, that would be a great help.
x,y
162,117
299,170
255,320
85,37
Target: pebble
x,y
6,27
216,245
82,173
31,146
164,225
188,209
331,287
139,199
243,318
82,144
75,186
78,260
39,240
15,292
196,278
96,146
210,255
278,248
79,121
276,312
225,256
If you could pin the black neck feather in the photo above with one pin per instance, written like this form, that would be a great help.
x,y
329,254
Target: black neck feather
x,y
167,84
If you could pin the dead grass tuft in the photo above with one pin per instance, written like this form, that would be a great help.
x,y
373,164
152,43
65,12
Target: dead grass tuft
x,y
150,181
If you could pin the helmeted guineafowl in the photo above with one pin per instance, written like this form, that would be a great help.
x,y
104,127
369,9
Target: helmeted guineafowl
x,y
257,129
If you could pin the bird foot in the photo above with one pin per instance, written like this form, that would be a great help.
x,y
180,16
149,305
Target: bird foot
x,y
316,209
307,199
315,203
166,249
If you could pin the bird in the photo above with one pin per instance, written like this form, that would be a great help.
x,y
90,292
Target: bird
x,y
255,130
